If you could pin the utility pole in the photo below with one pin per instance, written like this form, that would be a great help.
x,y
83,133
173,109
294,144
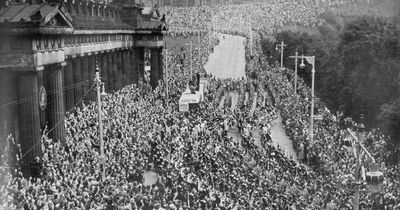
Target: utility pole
x,y
209,37
282,45
251,40
166,75
198,46
102,158
312,100
191,57
295,72
357,174
211,29
358,144
311,60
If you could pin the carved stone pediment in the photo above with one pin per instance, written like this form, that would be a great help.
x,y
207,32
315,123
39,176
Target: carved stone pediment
x,y
151,13
43,15
56,19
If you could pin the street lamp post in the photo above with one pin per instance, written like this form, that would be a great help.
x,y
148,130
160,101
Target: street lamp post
x,y
198,45
166,75
102,158
358,167
296,56
281,46
251,39
358,140
191,57
310,60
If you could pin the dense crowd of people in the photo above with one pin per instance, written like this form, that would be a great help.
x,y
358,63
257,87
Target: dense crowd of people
x,y
187,21
198,165
198,162
268,16
327,154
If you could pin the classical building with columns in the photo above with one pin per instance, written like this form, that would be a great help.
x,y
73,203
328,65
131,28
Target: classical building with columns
x,y
48,56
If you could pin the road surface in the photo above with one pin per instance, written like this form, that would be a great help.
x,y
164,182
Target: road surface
x,y
235,98
228,59
279,138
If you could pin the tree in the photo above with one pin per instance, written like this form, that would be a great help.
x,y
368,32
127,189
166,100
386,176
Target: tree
x,y
357,67
369,61
389,118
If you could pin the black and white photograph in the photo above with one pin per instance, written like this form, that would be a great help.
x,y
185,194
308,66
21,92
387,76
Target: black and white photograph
x,y
199,104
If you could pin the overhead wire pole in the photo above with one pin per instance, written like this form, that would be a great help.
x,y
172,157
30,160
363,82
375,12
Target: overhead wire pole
x,y
357,174
296,56
191,57
198,46
102,159
282,45
209,37
251,38
211,31
311,60
166,75
359,146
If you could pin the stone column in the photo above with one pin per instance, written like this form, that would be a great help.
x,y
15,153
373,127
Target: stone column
x,y
125,68
160,64
119,68
69,86
104,70
92,70
141,65
131,68
155,68
85,77
56,111
8,108
29,120
115,71
110,70
77,76
135,70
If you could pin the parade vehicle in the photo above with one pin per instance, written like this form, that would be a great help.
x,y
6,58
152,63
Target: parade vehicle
x,y
189,101
194,94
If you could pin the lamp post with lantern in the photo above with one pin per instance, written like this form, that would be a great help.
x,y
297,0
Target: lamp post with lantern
x,y
296,56
100,85
310,60
281,46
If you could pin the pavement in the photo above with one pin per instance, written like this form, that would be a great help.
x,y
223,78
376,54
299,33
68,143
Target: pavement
x,y
279,138
150,178
254,103
221,102
235,99
228,59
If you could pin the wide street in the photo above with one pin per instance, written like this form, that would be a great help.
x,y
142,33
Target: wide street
x,y
228,59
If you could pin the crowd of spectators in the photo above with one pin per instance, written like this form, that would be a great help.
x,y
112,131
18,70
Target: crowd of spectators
x,y
187,21
198,164
268,16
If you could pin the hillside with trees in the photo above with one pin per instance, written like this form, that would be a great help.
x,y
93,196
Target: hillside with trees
x,y
357,67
